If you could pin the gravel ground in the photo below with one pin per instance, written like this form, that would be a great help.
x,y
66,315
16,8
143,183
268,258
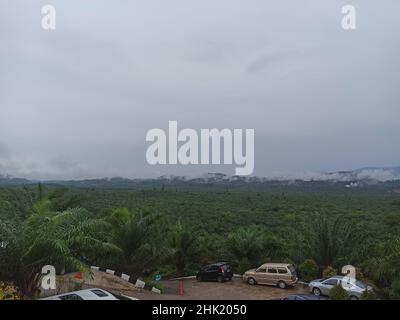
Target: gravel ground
x,y
231,290
193,290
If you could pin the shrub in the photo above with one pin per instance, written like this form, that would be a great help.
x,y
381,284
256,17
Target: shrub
x,y
338,293
329,271
395,290
308,270
244,265
368,295
8,292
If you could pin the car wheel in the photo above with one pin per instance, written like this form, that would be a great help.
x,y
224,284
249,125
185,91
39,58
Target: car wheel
x,y
282,284
353,298
251,281
220,279
316,292
199,278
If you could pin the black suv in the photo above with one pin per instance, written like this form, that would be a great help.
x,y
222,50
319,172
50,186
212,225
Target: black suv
x,y
219,271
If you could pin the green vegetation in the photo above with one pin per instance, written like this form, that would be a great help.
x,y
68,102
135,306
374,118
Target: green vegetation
x,y
309,270
176,228
329,271
338,293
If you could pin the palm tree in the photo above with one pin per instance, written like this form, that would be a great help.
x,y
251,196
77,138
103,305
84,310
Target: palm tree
x,y
383,263
183,246
250,246
66,240
327,240
138,237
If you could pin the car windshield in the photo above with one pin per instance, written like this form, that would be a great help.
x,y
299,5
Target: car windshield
x,y
361,285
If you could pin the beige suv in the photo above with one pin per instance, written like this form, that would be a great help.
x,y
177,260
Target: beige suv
x,y
276,274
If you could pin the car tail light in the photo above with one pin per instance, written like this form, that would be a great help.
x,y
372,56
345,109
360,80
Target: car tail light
x,y
222,270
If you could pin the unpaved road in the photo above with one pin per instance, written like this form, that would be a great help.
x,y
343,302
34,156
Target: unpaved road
x,y
231,290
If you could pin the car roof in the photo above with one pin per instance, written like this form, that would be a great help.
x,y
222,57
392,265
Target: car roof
x,y
87,294
306,296
220,263
270,264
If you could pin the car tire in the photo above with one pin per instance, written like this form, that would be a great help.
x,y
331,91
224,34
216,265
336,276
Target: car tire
x,y
199,279
354,298
220,279
282,284
316,292
251,281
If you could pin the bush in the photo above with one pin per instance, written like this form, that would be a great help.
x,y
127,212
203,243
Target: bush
x,y
309,270
368,295
244,265
395,290
8,292
329,271
338,293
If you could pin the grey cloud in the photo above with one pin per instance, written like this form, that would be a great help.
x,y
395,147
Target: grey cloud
x,y
77,102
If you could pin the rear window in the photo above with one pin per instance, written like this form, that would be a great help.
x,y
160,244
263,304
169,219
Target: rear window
x,y
71,297
212,268
99,293
282,270
292,270
119,297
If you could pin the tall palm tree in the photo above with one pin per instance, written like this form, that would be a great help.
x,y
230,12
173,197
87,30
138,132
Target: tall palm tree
x,y
138,237
383,263
327,240
66,240
250,246
183,246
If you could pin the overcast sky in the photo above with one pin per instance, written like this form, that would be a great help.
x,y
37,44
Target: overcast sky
x,y
77,102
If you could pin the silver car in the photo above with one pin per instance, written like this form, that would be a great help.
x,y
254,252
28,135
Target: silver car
x,y
323,287
89,294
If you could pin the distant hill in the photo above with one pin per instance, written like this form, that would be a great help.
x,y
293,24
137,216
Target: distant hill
x,y
9,180
355,178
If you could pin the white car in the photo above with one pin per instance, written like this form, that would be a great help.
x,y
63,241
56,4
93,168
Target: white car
x,y
89,294
323,287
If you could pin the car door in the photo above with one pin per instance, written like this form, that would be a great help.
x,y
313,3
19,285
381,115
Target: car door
x,y
261,275
272,276
327,285
284,274
211,273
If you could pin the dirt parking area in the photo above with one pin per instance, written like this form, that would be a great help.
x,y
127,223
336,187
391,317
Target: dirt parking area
x,y
231,290
235,289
